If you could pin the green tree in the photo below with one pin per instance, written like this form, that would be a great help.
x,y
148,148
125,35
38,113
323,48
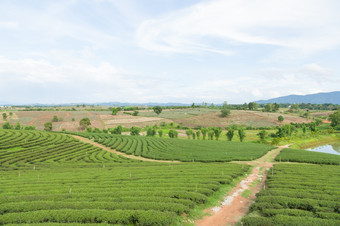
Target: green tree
x,y
84,122
4,116
173,133
11,113
217,132
48,126
135,113
304,128
160,133
262,134
134,131
204,132
295,107
268,108
230,134
253,105
245,106
276,107
117,130
241,134
335,118
188,132
193,105
225,112
198,134
17,126
6,125
280,118
157,109
150,132
55,119
114,111
73,119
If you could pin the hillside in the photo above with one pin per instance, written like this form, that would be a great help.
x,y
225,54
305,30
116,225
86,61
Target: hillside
x,y
317,98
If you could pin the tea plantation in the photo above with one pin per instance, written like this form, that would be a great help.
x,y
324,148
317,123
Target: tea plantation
x,y
298,194
296,155
54,178
182,150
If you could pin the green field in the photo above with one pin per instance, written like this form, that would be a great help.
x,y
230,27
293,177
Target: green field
x,y
52,177
296,155
183,150
298,195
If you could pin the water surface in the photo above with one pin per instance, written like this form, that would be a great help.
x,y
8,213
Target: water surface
x,y
332,148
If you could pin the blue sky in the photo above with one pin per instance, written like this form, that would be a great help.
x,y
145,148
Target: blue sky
x,y
167,50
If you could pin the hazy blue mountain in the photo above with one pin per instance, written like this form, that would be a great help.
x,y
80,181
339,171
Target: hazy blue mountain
x,y
317,98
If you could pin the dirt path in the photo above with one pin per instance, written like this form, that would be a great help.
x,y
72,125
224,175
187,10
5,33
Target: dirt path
x,y
235,206
120,153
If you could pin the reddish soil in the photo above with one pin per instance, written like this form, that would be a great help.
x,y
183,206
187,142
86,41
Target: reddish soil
x,y
235,206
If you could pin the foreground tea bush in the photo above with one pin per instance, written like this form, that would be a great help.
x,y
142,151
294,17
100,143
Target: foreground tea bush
x,y
296,155
298,195
182,150
134,193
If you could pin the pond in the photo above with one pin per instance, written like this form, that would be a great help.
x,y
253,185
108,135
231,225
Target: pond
x,y
332,148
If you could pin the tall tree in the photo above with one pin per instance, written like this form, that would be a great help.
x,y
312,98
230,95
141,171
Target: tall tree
x,y
217,132
134,131
230,134
280,118
241,134
4,116
204,132
157,109
84,122
48,126
114,111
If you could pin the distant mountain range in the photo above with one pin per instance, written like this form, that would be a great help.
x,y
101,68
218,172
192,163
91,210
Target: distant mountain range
x,y
317,98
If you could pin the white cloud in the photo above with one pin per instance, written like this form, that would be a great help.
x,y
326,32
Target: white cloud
x,y
8,24
307,25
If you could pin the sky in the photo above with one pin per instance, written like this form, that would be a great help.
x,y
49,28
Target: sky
x,y
212,51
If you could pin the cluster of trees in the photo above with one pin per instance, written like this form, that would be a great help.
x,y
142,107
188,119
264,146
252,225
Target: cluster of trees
x,y
335,118
214,132
17,126
271,107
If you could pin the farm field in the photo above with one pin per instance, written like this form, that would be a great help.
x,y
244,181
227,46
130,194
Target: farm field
x,y
182,150
189,117
52,177
298,194
239,117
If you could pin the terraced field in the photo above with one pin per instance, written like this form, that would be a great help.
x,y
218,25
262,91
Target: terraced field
x,y
298,194
19,147
182,150
54,178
